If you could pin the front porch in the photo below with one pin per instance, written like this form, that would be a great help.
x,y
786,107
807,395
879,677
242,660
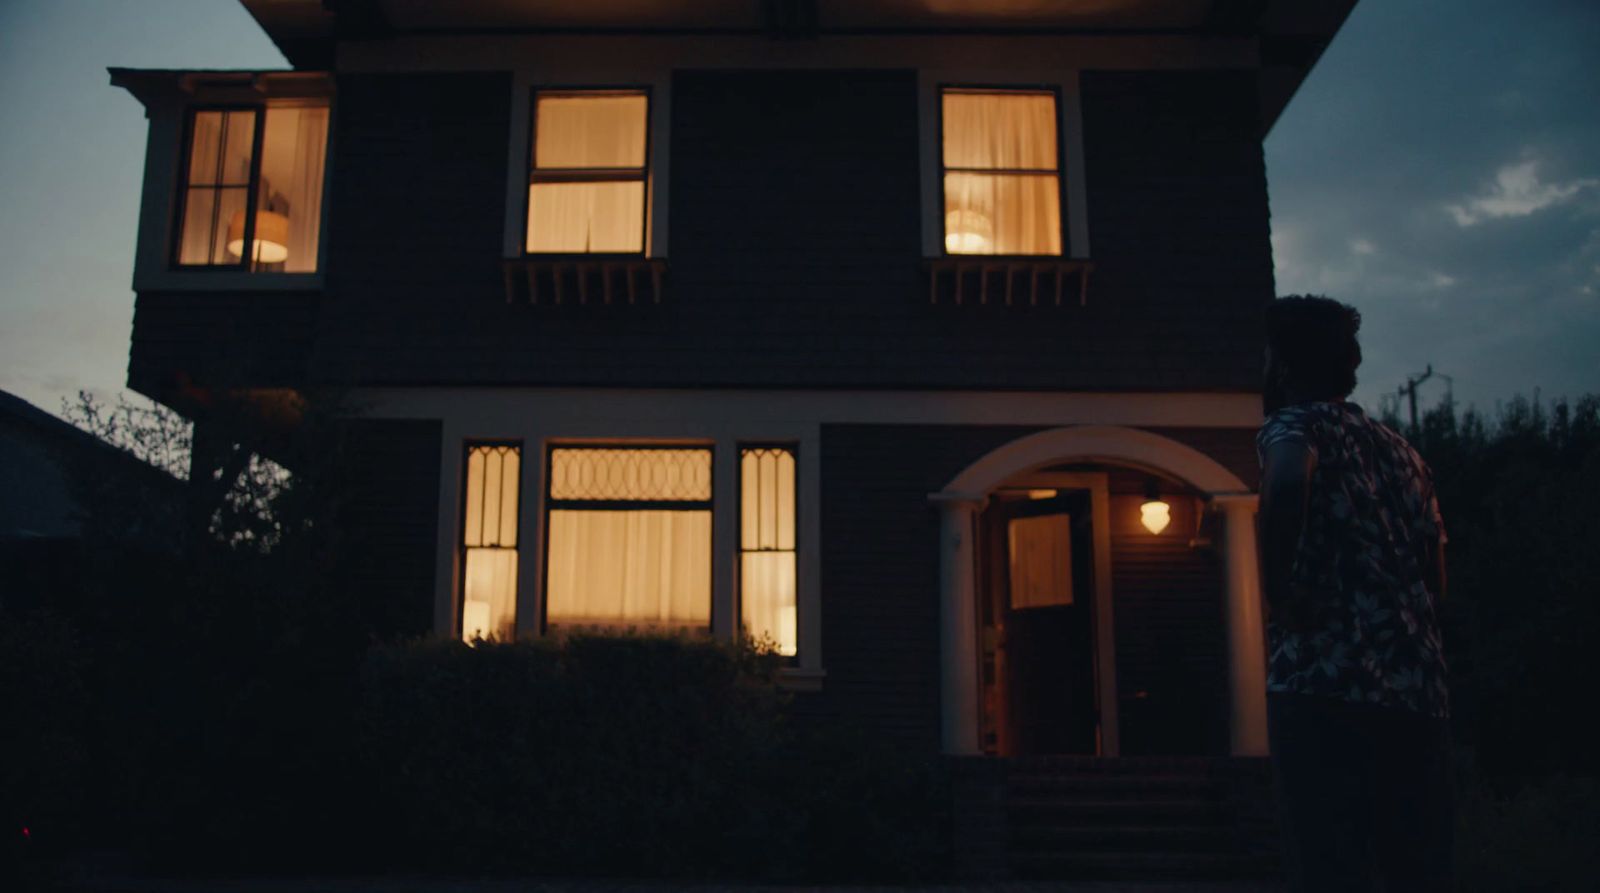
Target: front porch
x,y
1030,590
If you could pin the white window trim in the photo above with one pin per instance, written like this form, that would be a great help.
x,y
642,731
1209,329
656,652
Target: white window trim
x,y
725,418
154,249
520,152
1069,124
806,674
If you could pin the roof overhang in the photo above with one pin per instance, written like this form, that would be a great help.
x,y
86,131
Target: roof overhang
x,y
156,85
1292,33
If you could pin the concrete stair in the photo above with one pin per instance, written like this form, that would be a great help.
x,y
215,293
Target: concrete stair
x,y
1138,818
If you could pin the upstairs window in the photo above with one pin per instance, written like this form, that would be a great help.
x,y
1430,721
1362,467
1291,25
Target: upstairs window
x,y
586,186
1001,171
253,176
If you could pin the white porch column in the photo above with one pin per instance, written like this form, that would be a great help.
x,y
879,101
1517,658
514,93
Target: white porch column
x,y
1247,650
958,622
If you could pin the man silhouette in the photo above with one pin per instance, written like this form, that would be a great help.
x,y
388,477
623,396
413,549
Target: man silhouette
x,y
1352,561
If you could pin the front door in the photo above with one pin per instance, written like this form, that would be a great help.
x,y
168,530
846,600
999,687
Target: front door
x,y
1041,557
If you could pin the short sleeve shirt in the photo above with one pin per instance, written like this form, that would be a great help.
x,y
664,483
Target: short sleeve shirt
x,y
1371,517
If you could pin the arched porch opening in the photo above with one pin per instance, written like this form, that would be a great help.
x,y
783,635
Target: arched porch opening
x,y
1067,457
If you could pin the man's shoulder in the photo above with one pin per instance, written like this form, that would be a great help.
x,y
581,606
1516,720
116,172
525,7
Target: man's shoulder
x,y
1300,420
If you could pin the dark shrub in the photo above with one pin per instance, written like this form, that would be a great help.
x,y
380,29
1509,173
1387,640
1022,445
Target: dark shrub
x,y
632,756
44,733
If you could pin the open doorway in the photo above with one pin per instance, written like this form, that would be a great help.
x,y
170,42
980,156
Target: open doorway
x,y
1043,606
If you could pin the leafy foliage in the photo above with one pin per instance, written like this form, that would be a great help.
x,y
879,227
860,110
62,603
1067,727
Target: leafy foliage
x,y
1519,492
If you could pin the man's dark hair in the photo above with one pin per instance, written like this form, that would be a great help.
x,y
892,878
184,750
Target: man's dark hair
x,y
1314,339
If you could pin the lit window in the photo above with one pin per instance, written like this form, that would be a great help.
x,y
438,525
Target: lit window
x,y
1040,555
586,189
489,542
256,185
766,545
1002,184
629,538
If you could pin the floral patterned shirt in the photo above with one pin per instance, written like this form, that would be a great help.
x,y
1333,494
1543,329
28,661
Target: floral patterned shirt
x,y
1372,511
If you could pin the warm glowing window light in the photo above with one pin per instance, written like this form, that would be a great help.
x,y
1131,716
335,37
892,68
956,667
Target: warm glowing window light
x,y
586,188
1040,554
1002,184
223,182
489,542
768,606
629,538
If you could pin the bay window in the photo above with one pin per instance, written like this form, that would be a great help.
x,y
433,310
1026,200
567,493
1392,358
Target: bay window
x,y
253,177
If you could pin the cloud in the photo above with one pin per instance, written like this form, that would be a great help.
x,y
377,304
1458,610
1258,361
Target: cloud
x,y
1517,192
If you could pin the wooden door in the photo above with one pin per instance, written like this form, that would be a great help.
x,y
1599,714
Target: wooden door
x,y
1047,670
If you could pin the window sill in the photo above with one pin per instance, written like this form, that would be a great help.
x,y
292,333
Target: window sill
x,y
226,280
583,279
801,678
1008,280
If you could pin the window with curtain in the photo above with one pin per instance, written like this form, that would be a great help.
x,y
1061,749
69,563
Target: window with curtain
x,y
586,187
629,538
489,541
1002,179
253,176
767,603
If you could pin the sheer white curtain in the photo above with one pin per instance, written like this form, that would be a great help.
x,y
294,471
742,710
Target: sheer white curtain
x,y
1001,184
767,542
599,131
489,608
586,217
218,185
489,536
300,137
647,567
767,598
603,132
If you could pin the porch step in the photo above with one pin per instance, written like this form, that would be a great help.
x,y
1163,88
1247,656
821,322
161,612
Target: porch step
x,y
1175,838
1119,785
1138,818
1063,810
1112,866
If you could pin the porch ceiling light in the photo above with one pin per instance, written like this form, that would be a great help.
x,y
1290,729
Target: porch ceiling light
x,y
1155,514
272,237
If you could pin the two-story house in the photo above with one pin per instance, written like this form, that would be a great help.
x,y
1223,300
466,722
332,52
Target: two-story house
x,y
920,337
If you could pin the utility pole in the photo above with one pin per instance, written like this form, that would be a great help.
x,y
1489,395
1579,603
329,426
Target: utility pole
x,y
1409,391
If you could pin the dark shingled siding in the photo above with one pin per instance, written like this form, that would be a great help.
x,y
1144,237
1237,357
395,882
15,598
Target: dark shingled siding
x,y
795,245
390,521
259,339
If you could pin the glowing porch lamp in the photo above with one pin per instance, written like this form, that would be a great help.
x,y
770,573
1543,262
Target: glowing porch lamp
x,y
967,232
271,241
1155,514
